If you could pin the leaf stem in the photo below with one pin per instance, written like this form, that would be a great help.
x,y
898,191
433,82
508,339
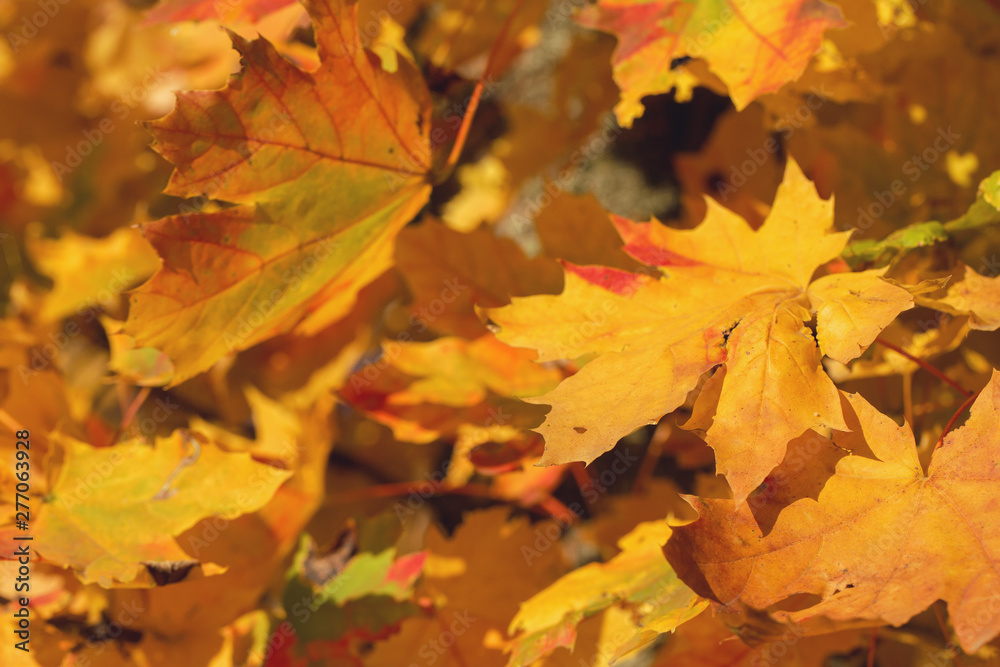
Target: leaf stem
x,y
477,93
130,412
926,366
954,418
558,510
583,482
944,631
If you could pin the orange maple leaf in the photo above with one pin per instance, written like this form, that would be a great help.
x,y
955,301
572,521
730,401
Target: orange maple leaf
x,y
326,167
869,531
754,47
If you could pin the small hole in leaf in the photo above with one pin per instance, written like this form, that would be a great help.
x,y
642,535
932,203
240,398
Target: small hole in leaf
x,y
579,429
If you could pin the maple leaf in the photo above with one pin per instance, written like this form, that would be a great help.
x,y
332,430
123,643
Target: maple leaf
x,y
637,576
870,532
726,294
254,549
325,168
754,47
108,517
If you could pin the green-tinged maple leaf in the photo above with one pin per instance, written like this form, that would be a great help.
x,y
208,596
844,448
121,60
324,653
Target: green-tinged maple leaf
x,y
985,211
755,47
914,236
330,597
638,577
144,367
113,513
989,190
725,294
364,574
863,526
325,168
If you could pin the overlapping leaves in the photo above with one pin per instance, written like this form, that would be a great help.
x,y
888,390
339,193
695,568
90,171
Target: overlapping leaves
x,y
859,523
723,295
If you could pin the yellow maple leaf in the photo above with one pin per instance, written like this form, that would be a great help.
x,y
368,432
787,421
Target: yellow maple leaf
x,y
725,294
